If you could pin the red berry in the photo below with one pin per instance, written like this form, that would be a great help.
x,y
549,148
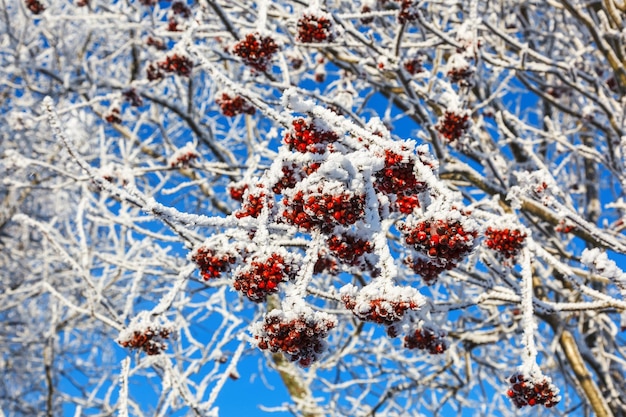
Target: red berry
x,y
506,242
178,64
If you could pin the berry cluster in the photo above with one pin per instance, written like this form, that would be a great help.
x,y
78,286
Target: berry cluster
x,y
211,262
113,116
252,205
427,339
309,137
379,310
315,29
527,391
35,6
181,9
157,43
408,11
132,97
182,160
150,340
293,174
452,125
507,242
256,51
413,66
349,248
232,106
301,337
369,19
178,64
461,75
440,240
398,177
428,270
323,210
261,277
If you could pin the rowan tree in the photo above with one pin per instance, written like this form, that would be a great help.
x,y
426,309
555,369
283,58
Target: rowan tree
x,y
402,207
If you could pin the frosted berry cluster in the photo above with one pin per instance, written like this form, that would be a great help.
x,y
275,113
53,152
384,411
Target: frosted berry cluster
x,y
398,177
256,51
113,116
262,276
408,11
132,97
414,66
382,304
526,390
292,174
232,106
35,6
323,210
427,339
445,241
349,248
315,29
309,137
253,203
506,242
299,335
181,9
428,270
452,125
178,64
212,263
150,340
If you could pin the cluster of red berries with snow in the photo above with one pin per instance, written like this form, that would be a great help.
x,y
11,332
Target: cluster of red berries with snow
x,y
531,391
113,116
178,64
446,241
409,11
349,248
262,275
315,29
453,125
428,339
256,51
157,43
381,304
506,242
292,174
35,6
132,97
300,335
181,9
428,270
309,136
151,339
398,177
253,203
232,106
460,70
212,263
309,209
414,66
